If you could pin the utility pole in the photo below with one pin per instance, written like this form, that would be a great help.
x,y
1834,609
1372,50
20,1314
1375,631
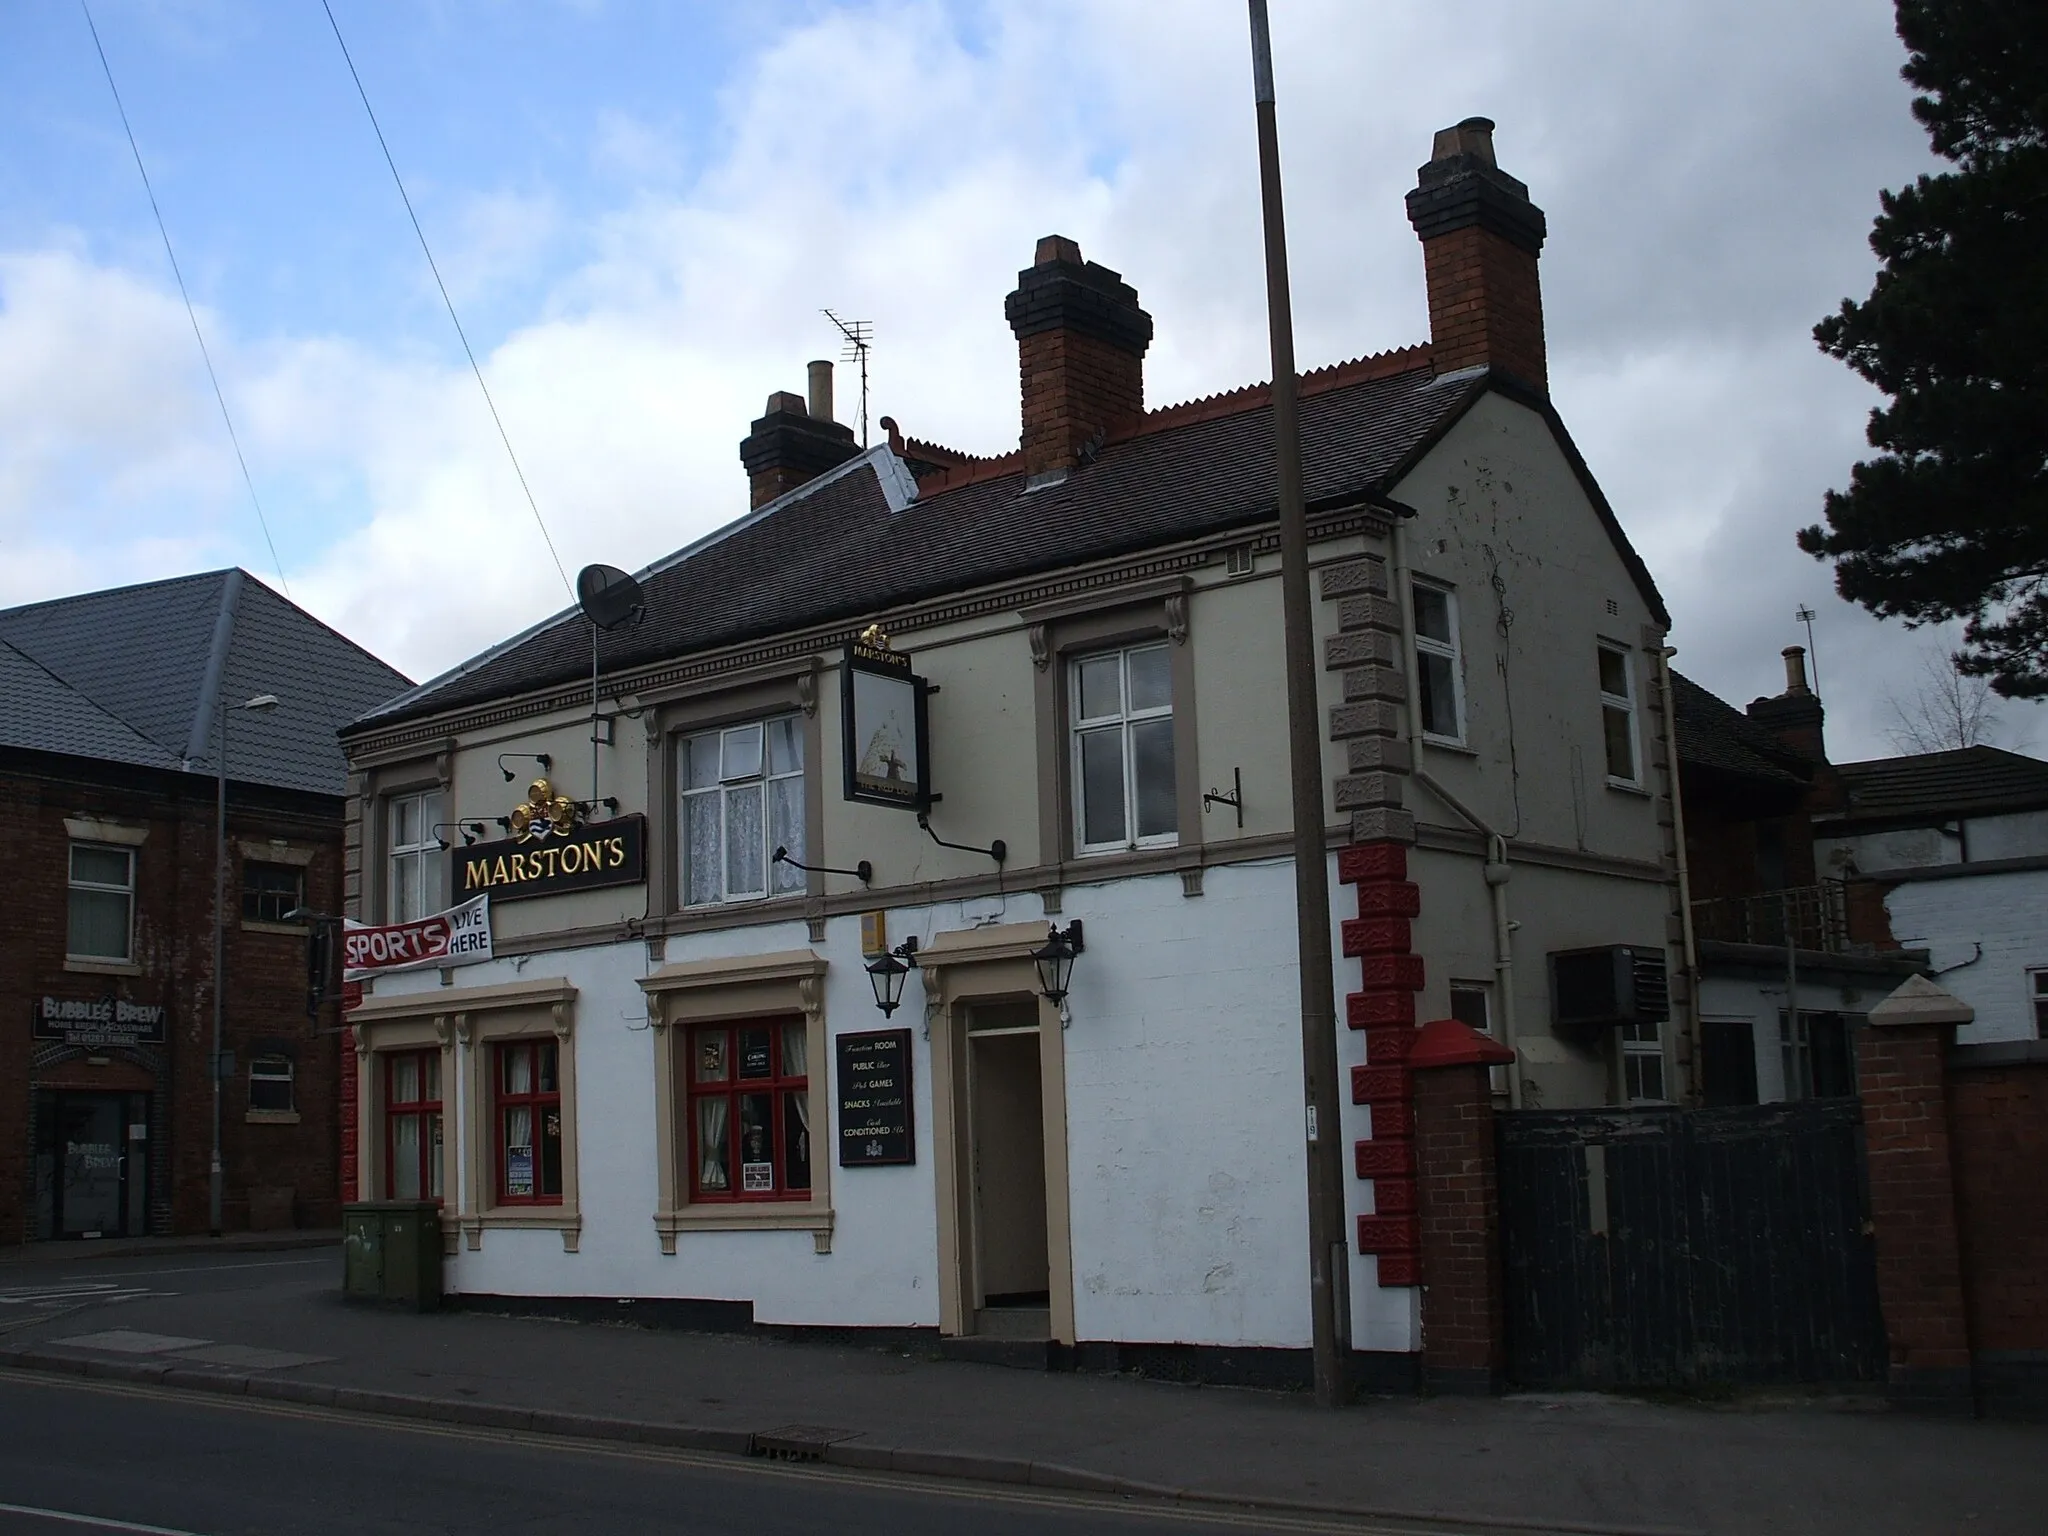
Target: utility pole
x,y
262,703
1328,1254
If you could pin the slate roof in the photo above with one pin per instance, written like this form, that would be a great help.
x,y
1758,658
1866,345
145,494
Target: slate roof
x,y
1720,739
1939,786
834,550
132,675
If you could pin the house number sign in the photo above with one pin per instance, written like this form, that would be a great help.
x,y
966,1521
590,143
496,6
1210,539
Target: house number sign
x,y
875,1124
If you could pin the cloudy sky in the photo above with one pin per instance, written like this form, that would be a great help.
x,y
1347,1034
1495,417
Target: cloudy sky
x,y
640,209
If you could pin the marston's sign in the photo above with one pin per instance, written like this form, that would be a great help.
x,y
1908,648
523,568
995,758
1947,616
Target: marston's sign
x,y
101,1022
611,853
459,936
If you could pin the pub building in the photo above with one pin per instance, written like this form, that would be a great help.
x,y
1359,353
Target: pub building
x,y
898,933
112,707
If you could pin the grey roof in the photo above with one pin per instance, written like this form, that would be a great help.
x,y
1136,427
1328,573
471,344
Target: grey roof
x,y
1715,737
835,550
133,675
1939,786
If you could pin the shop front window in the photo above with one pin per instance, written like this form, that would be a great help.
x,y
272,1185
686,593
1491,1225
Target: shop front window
x,y
412,1118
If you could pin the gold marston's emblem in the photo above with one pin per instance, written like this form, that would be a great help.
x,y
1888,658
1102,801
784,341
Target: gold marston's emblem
x,y
873,639
543,813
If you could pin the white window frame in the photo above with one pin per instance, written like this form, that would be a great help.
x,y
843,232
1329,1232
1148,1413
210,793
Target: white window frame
x,y
1625,705
1642,1043
776,879
1126,717
1452,651
424,852
2037,1000
125,890
266,1069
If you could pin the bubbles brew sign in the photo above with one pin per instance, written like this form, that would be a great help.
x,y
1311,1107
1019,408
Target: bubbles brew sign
x,y
882,716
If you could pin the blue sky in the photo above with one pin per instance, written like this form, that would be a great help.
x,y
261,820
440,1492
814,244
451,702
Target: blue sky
x,y
640,208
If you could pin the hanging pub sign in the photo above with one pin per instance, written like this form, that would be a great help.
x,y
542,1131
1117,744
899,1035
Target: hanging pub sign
x,y
882,715
875,1126
100,1023
552,850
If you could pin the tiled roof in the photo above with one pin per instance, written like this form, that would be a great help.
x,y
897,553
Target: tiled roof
x,y
1719,738
1938,786
835,550
129,675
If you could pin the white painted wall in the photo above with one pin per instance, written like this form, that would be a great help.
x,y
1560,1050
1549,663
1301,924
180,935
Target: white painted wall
x,y
1187,1174
2007,914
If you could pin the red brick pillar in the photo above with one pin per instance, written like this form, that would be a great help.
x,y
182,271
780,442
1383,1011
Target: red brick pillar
x,y
1458,1202
1902,1079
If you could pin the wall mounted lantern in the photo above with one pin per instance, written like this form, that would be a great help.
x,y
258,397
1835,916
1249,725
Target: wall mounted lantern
x,y
887,971
1055,961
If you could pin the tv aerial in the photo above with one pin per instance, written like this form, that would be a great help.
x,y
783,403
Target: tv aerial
x,y
860,340
610,599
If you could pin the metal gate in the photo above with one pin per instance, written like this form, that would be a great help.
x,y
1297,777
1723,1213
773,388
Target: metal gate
x,y
1666,1247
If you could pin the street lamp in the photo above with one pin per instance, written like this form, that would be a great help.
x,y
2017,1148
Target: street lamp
x,y
263,703
1055,961
886,973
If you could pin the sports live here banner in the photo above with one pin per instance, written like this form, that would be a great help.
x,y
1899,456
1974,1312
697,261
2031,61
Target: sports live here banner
x,y
459,936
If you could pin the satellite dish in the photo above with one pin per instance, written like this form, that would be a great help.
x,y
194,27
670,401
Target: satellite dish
x,y
609,597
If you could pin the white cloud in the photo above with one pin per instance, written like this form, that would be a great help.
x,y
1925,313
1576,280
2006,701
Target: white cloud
x,y
1709,173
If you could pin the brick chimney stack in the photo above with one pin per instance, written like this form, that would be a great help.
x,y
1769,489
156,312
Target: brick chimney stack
x,y
1795,716
1480,239
1081,341
790,445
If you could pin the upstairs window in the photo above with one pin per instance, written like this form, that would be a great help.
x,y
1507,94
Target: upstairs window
x,y
418,874
1618,716
102,908
742,794
269,891
1121,706
2038,981
1439,668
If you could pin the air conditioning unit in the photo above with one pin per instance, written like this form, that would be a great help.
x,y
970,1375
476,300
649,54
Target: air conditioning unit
x,y
1612,985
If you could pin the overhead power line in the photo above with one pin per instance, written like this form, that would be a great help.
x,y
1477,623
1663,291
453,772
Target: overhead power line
x,y
190,313
434,266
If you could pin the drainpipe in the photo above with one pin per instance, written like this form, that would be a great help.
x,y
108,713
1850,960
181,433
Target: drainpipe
x,y
1688,941
1498,871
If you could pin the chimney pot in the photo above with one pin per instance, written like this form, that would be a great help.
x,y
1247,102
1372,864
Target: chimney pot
x,y
820,379
1795,669
1473,137
1054,250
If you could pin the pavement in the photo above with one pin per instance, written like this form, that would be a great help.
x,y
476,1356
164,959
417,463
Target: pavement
x,y
273,1326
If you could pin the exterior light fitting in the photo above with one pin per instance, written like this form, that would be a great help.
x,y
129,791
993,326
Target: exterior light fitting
x,y
542,758
1055,961
886,972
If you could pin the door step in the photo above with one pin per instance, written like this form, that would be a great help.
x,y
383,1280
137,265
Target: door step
x,y
982,1349
1014,1323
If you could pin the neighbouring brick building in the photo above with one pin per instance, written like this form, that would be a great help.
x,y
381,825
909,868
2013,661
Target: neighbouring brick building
x,y
111,710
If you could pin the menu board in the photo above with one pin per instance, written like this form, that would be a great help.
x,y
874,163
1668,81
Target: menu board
x,y
875,1125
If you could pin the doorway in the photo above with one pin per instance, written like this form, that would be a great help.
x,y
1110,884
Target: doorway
x,y
92,1164
1006,1159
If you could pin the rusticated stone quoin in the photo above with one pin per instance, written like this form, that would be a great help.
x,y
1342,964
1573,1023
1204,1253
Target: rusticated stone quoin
x,y
1368,791
1368,575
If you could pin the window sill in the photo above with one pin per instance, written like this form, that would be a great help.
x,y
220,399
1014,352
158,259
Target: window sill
x,y
272,1117
1624,787
85,965
1448,744
565,1219
739,1216
293,930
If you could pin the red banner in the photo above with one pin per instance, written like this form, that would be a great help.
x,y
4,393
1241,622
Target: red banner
x,y
459,936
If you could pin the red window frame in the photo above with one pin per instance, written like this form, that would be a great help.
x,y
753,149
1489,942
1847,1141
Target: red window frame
x,y
780,1086
420,1109
540,1103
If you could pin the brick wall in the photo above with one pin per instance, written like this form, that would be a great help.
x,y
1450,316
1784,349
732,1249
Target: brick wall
x,y
1485,305
1457,1190
173,949
1998,1131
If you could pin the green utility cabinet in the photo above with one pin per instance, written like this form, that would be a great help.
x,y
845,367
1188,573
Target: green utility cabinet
x,y
391,1253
